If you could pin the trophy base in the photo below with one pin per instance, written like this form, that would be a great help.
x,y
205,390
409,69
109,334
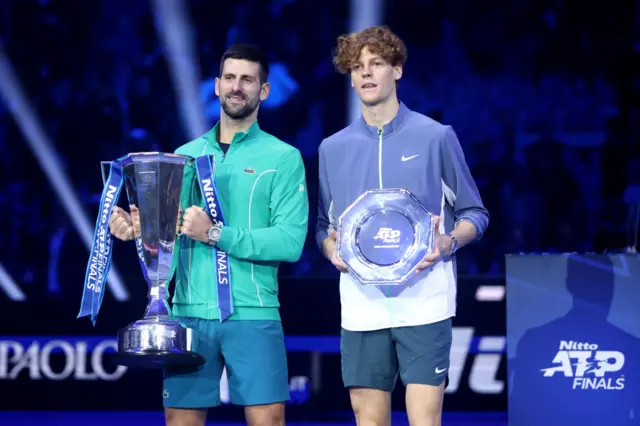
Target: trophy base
x,y
157,359
156,343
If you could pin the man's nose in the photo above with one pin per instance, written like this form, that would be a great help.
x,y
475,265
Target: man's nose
x,y
235,86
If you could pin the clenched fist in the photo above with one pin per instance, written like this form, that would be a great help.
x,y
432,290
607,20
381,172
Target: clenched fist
x,y
196,223
125,226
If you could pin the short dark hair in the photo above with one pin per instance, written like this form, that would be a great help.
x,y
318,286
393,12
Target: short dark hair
x,y
249,53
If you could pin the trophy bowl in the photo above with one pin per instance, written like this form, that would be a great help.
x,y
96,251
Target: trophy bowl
x,y
383,236
154,183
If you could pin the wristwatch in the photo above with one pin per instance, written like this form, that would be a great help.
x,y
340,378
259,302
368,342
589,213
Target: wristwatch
x,y
213,234
454,245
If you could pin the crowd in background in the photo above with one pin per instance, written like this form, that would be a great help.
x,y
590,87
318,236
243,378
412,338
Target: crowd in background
x,y
535,91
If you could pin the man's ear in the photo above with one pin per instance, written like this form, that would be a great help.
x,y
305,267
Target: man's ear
x,y
397,72
264,91
217,87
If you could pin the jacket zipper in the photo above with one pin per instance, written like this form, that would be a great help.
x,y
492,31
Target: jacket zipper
x,y
388,290
380,132
224,154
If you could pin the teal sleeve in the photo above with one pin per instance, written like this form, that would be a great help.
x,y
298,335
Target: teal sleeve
x,y
284,239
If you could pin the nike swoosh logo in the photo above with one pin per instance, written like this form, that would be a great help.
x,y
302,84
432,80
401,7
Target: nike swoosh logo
x,y
409,158
438,371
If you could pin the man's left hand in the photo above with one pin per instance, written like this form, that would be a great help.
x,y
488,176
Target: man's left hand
x,y
196,223
442,245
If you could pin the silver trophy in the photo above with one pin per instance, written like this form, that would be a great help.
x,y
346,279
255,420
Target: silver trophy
x,y
154,184
383,236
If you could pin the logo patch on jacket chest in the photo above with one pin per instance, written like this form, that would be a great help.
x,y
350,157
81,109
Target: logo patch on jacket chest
x,y
249,171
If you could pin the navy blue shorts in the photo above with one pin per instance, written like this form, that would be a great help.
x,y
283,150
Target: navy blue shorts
x,y
418,354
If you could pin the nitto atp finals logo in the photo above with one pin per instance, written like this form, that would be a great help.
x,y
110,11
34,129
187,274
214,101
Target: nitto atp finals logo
x,y
390,237
590,368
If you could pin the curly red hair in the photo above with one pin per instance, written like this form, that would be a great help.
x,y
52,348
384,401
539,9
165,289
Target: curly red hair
x,y
380,40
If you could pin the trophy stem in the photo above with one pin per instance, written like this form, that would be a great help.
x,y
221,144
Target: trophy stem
x,y
158,306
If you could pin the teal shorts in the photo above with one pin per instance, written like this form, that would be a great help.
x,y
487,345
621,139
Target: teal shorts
x,y
417,354
253,353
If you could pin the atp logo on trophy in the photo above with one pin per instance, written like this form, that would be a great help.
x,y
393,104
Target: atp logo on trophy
x,y
388,237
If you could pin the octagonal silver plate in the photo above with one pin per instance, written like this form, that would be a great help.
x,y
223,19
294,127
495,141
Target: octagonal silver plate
x,y
357,251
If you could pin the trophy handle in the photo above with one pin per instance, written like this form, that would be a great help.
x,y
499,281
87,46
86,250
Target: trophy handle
x,y
105,166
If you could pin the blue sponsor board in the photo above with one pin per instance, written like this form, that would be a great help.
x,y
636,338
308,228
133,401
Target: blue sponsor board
x,y
573,339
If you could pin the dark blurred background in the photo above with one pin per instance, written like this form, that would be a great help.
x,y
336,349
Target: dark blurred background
x,y
542,94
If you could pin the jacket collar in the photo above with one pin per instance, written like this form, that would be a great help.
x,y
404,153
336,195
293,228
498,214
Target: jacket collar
x,y
393,126
251,133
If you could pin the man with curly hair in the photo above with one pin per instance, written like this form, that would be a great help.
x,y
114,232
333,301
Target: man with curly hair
x,y
407,329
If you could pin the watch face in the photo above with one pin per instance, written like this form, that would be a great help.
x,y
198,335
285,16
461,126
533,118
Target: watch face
x,y
212,233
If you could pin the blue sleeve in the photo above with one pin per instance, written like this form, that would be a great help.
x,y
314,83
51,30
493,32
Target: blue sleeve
x,y
461,190
324,201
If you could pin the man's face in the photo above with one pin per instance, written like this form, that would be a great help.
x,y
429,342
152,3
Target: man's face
x,y
239,88
373,78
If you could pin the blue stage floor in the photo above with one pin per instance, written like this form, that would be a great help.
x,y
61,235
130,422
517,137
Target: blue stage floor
x,y
60,418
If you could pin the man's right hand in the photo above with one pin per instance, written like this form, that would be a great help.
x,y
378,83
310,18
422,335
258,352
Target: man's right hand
x,y
335,260
121,224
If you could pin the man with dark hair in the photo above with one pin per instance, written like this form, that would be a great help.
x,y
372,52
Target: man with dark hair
x,y
261,185
248,53
406,331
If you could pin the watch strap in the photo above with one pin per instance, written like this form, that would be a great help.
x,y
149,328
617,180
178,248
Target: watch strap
x,y
454,245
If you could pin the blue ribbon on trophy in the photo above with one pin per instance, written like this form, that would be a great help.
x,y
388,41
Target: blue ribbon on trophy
x,y
205,168
100,259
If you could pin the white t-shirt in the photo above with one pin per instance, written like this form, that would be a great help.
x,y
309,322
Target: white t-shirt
x,y
427,297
